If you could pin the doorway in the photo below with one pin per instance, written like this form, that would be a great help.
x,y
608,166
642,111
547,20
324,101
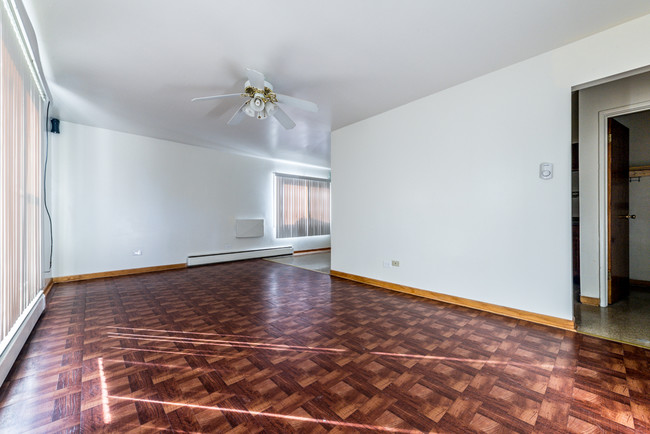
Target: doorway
x,y
622,311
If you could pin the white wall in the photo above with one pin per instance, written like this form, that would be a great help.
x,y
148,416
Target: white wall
x,y
449,184
114,193
619,93
639,125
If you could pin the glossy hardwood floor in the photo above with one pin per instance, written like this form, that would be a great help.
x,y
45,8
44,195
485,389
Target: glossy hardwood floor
x,y
258,346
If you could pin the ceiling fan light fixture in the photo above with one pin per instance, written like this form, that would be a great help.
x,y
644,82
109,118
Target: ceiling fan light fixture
x,y
257,103
270,108
248,110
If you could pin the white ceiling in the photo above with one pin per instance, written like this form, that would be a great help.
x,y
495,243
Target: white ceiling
x,y
133,66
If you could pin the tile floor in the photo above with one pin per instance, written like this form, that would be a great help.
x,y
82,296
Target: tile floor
x,y
625,321
310,261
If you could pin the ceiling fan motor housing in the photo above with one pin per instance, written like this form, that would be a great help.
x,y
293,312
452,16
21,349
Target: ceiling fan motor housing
x,y
262,101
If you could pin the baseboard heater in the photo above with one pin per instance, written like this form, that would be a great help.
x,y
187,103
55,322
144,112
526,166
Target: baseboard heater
x,y
214,258
25,324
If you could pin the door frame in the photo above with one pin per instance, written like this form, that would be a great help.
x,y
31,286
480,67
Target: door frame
x,y
603,168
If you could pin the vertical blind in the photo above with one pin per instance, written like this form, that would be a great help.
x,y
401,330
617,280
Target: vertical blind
x,y
21,134
302,206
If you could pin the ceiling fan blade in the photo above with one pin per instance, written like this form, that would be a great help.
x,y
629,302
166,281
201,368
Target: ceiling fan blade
x,y
203,98
283,118
298,103
256,78
238,116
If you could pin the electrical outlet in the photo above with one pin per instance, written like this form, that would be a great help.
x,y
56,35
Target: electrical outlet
x,y
394,263
137,252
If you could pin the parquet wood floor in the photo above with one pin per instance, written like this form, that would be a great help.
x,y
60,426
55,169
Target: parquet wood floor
x,y
256,346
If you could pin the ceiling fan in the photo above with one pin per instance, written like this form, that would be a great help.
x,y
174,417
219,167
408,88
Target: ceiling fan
x,y
261,102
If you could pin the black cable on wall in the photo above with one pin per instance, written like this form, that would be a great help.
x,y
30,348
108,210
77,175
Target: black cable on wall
x,y
47,149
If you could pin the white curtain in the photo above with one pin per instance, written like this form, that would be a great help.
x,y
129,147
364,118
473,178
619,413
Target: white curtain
x,y
21,133
302,206
319,207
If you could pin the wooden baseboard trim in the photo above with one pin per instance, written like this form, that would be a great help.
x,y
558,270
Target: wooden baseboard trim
x,y
640,283
300,252
48,287
116,273
552,321
591,301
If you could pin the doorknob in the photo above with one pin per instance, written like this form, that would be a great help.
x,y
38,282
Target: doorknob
x,y
633,216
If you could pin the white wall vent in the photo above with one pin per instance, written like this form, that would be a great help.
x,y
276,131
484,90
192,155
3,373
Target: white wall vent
x,y
249,228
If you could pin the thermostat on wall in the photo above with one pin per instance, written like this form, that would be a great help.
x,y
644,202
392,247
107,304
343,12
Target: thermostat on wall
x,y
546,170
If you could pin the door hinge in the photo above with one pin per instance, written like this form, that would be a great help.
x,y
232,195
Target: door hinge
x,y
609,138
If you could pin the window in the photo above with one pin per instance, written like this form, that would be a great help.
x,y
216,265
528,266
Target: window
x,y
302,206
21,132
